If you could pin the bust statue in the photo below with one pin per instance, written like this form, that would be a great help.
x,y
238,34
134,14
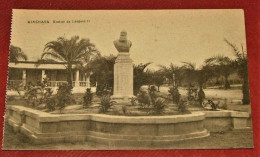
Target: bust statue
x,y
122,44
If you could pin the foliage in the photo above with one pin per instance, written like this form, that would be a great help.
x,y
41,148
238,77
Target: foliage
x,y
102,69
192,93
64,96
240,63
223,65
159,105
175,94
226,66
104,90
16,53
133,101
173,73
105,104
31,94
17,86
151,101
182,107
51,103
143,99
69,51
158,79
140,76
201,96
87,99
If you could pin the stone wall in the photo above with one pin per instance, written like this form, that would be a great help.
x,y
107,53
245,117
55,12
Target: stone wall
x,y
118,131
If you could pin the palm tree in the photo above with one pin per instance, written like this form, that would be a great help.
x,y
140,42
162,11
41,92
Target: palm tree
x,y
240,63
224,65
173,71
69,51
198,76
16,54
140,76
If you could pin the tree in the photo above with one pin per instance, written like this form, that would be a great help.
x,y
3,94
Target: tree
x,y
158,79
199,76
70,52
16,54
224,65
240,63
102,69
140,76
173,70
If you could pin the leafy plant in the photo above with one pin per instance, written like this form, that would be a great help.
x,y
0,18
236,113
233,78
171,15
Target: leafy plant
x,y
143,99
201,96
31,94
140,76
133,101
64,96
182,107
87,99
151,102
105,104
16,53
175,94
159,105
51,103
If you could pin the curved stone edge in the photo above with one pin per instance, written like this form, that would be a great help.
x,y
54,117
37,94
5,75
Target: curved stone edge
x,y
117,141
237,120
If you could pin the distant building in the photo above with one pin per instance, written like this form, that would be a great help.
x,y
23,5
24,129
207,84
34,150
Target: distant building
x,y
25,72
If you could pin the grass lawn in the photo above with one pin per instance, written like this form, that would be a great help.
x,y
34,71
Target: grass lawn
x,y
230,139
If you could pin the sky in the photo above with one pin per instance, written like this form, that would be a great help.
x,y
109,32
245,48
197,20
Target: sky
x,y
158,36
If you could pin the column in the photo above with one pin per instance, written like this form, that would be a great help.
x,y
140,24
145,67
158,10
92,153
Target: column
x,y
77,78
88,81
24,77
43,75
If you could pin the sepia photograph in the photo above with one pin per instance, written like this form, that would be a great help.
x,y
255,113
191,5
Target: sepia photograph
x,y
127,80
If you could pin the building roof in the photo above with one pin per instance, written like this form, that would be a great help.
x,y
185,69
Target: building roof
x,y
34,65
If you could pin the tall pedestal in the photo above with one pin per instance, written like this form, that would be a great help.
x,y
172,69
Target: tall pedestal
x,y
123,77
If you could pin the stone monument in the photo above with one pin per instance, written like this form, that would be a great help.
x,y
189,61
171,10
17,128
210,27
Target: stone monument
x,y
123,69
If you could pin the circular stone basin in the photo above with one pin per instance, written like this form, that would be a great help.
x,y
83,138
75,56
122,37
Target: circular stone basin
x,y
144,131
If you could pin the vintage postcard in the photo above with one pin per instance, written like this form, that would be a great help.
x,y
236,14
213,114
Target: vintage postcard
x,y
127,79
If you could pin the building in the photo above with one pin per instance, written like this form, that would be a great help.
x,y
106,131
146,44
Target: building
x,y
25,72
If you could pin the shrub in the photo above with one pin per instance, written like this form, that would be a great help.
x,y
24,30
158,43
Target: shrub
x,y
16,86
51,103
192,93
64,96
201,97
182,107
150,99
104,91
159,106
143,99
87,99
175,95
133,101
105,104
31,95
